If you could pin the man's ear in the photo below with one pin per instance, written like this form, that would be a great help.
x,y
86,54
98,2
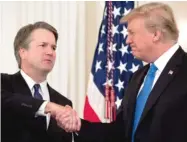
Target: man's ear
x,y
22,53
157,36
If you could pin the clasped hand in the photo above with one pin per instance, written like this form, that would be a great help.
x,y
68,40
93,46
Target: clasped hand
x,y
65,116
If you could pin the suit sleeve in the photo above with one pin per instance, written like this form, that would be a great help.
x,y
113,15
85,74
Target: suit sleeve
x,y
101,132
14,103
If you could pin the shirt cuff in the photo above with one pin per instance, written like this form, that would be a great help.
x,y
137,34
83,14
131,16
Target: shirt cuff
x,y
41,110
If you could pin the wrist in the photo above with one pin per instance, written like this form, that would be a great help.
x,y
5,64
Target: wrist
x,y
48,107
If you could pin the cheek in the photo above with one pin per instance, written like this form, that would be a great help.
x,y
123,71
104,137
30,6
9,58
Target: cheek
x,y
33,56
137,40
54,56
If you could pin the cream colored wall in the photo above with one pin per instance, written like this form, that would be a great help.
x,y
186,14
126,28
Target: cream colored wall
x,y
94,11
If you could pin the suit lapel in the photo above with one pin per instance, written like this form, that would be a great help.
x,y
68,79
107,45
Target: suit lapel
x,y
52,122
132,92
163,81
19,85
51,94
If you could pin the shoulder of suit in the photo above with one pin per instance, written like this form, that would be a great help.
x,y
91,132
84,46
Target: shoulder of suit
x,y
5,75
8,77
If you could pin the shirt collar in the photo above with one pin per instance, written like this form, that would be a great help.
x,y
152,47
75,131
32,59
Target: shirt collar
x,y
164,58
30,82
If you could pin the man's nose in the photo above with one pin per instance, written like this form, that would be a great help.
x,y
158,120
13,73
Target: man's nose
x,y
49,50
128,40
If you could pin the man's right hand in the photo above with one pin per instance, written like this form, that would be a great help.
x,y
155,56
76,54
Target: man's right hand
x,y
65,116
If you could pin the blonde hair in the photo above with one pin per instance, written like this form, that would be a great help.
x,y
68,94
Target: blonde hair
x,y
158,16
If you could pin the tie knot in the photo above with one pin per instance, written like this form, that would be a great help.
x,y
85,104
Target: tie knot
x,y
152,69
36,87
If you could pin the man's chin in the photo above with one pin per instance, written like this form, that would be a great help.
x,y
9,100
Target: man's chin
x,y
134,54
47,70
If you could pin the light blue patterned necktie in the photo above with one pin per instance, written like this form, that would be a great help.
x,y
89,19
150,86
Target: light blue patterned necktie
x,y
142,97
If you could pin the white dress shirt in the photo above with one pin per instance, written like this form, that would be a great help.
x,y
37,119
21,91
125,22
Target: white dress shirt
x,y
161,62
43,90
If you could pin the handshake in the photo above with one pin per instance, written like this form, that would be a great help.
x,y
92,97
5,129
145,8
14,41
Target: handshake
x,y
65,116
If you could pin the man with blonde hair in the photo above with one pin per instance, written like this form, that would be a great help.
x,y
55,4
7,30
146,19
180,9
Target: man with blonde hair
x,y
154,108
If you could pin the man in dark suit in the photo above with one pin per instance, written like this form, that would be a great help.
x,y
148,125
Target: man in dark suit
x,y
27,98
154,108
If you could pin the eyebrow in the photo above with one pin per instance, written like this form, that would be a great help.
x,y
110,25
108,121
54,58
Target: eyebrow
x,y
54,45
